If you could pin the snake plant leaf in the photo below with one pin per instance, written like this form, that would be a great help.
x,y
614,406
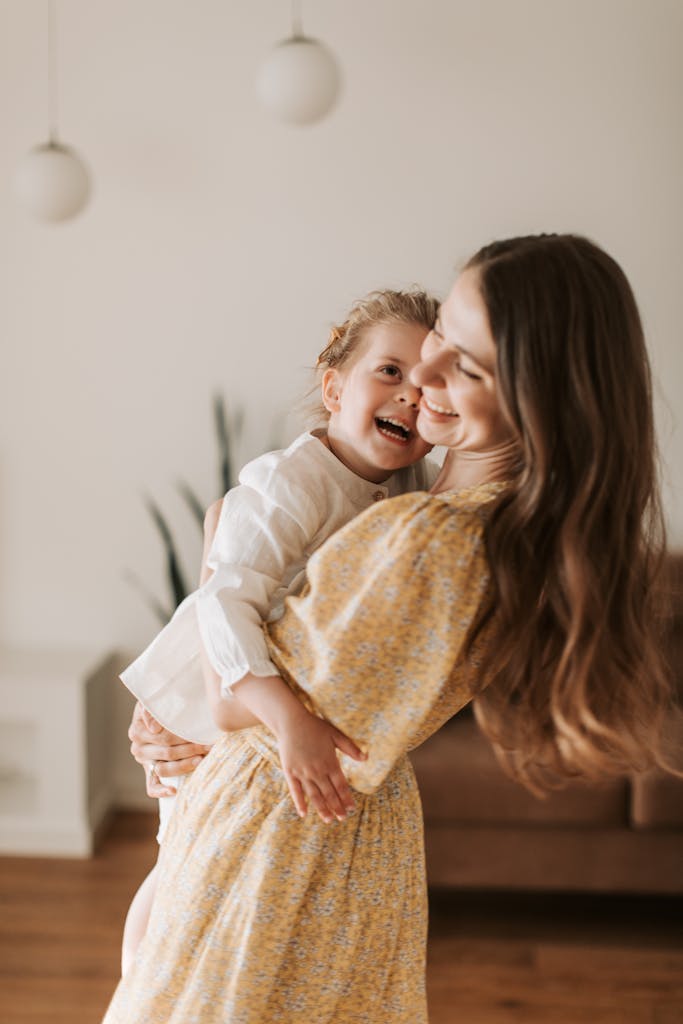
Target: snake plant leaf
x,y
228,429
163,614
174,573
192,501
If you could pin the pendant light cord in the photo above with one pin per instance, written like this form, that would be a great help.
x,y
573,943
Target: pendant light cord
x,y
51,74
297,27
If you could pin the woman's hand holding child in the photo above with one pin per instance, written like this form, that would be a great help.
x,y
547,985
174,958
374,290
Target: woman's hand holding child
x,y
152,745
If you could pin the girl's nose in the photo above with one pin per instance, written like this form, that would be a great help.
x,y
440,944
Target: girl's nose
x,y
409,393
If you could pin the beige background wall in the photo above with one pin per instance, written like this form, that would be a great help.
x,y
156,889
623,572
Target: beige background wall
x,y
220,245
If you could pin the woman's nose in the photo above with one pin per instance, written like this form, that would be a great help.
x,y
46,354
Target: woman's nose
x,y
422,374
431,369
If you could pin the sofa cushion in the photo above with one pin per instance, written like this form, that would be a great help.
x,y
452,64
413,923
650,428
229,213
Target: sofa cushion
x,y
562,858
461,782
657,801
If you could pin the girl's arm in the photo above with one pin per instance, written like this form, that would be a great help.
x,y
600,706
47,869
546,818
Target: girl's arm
x,y
307,744
228,714
262,532
266,526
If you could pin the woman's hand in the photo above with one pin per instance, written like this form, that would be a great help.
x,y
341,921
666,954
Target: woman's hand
x,y
152,746
308,754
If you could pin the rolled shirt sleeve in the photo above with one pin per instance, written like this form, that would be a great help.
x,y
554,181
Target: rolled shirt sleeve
x,y
261,535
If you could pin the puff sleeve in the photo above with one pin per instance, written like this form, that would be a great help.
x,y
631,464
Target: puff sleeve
x,y
377,639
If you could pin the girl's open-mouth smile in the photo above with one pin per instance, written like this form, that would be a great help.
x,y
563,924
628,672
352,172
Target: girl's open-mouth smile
x,y
395,429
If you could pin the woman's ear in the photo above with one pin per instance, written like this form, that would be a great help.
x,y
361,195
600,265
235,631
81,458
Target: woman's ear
x,y
331,390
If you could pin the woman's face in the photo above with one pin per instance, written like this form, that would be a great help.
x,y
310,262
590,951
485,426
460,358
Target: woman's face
x,y
457,375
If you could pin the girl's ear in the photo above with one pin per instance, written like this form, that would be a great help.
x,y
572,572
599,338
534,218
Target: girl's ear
x,y
331,390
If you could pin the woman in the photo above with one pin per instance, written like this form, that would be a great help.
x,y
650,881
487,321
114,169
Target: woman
x,y
524,580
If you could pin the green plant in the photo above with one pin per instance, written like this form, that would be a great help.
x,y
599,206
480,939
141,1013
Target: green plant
x,y
228,429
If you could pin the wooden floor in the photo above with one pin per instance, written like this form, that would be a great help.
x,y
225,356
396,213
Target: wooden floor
x,y
493,959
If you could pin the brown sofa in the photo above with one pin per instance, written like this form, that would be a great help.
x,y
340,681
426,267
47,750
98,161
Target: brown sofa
x,y
484,831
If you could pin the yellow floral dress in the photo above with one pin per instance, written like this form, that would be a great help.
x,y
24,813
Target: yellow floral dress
x,y
262,917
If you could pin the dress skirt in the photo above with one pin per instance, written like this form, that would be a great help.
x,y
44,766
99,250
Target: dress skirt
x,y
263,917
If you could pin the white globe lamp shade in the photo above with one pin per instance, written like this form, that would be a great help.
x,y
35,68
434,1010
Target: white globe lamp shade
x,y
52,182
299,81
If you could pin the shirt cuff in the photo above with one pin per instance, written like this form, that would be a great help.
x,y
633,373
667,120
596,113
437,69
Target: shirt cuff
x,y
258,668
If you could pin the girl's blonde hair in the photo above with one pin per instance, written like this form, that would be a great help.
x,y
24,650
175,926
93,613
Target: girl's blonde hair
x,y
378,307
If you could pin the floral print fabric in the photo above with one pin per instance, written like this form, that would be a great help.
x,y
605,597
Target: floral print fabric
x,y
263,917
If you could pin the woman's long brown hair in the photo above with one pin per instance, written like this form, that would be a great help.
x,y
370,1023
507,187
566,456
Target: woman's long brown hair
x,y
576,685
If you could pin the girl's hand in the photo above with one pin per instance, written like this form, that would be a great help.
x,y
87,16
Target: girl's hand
x,y
308,754
308,746
170,754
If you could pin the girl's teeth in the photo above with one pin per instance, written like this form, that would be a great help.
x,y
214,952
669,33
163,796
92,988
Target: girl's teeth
x,y
402,432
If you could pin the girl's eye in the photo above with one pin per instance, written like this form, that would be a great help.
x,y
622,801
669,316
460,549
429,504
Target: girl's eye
x,y
390,371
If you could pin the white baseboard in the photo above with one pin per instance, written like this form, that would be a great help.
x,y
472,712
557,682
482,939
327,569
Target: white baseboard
x,y
46,839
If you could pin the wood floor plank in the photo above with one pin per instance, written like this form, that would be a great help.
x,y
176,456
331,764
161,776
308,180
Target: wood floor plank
x,y
487,1010
493,958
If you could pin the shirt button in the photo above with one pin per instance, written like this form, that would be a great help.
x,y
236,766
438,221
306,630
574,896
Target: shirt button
x,y
378,495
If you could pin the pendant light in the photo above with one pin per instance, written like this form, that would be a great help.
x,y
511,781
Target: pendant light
x,y
299,80
52,182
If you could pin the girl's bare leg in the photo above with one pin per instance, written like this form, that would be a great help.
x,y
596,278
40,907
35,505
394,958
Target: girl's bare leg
x,y
136,920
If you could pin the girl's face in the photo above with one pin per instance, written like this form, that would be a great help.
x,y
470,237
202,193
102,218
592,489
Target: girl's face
x,y
460,407
373,405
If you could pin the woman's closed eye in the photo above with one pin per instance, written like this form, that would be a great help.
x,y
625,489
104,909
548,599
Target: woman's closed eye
x,y
466,373
457,355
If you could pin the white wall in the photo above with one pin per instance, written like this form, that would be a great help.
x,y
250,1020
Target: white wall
x,y
220,245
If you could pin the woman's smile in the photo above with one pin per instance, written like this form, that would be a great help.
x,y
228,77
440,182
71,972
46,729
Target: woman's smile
x,y
435,407
460,408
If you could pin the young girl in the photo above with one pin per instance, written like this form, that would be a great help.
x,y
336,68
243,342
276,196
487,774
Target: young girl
x,y
286,505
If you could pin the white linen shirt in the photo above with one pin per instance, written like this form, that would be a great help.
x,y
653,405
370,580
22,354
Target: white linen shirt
x,y
286,505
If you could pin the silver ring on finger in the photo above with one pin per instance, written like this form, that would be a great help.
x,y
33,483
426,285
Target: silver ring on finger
x,y
154,772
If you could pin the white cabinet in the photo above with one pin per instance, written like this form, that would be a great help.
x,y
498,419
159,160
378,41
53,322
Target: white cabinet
x,y
55,750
